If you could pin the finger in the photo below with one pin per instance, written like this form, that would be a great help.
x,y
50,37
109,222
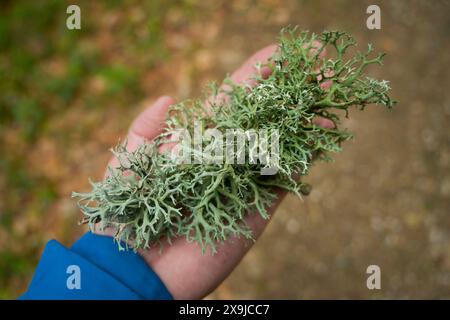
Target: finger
x,y
324,123
326,83
316,46
248,70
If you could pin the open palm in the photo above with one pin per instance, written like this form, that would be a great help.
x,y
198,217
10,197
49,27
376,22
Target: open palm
x,y
186,272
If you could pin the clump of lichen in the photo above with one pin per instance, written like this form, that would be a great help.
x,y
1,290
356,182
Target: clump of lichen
x,y
149,197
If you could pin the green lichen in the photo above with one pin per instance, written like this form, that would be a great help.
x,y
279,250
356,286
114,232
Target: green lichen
x,y
149,198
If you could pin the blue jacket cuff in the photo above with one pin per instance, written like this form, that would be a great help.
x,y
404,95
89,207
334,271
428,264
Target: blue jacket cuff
x,y
94,268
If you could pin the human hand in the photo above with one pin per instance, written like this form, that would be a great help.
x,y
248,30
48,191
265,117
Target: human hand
x,y
186,272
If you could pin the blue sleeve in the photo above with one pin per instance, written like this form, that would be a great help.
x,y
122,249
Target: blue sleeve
x,y
93,268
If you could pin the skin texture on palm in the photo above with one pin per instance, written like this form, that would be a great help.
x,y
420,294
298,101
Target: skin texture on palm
x,y
186,272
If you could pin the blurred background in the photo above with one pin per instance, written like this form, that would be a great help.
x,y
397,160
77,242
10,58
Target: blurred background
x,y
67,96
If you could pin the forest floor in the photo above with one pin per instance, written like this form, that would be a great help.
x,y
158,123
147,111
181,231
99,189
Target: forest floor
x,y
68,96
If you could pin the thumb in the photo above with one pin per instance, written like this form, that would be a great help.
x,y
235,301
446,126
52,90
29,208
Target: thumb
x,y
150,123
147,125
